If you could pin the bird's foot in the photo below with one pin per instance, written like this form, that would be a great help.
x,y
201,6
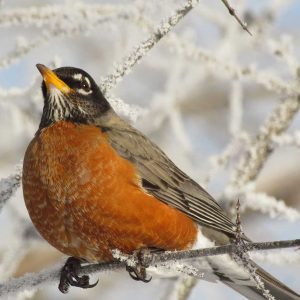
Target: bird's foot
x,y
69,276
143,260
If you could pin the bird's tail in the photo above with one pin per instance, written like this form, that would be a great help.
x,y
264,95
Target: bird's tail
x,y
254,285
248,287
225,269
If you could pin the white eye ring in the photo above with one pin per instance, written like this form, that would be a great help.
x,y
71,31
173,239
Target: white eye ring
x,y
85,84
84,92
87,81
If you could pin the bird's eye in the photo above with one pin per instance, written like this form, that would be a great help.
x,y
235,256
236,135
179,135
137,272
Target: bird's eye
x,y
82,84
85,85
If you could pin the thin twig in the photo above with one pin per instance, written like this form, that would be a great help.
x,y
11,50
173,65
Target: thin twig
x,y
238,224
231,10
242,257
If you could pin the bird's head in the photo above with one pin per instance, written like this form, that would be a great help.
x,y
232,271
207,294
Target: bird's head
x,y
70,94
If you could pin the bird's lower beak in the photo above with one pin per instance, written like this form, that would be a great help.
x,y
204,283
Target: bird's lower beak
x,y
52,80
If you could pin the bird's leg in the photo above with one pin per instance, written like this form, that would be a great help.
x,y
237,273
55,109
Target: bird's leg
x,y
143,259
69,276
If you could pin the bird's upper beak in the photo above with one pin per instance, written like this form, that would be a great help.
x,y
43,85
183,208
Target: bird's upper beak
x,y
51,79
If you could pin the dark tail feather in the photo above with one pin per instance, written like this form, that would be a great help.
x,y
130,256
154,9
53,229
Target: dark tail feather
x,y
276,288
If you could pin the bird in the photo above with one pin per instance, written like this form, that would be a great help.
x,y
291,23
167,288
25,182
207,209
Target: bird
x,y
93,183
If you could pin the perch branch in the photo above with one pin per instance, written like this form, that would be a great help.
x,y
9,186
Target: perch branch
x,y
34,280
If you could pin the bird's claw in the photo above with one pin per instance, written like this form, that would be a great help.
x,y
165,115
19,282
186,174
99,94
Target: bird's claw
x,y
138,272
69,276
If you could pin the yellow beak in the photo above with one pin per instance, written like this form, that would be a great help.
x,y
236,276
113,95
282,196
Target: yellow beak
x,y
51,79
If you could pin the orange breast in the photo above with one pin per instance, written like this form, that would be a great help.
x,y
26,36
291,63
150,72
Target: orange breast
x,y
85,200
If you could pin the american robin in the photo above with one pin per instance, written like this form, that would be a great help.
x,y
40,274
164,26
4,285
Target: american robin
x,y
93,183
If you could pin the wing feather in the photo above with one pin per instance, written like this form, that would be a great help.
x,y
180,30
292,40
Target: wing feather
x,y
164,180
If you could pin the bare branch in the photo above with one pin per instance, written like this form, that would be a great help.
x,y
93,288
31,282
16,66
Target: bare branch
x,y
231,10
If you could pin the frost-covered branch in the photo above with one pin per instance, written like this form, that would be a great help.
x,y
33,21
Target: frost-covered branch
x,y
257,152
286,139
34,280
141,50
242,257
222,159
145,46
24,46
8,186
254,159
259,201
216,63
58,22
264,203
59,15
173,98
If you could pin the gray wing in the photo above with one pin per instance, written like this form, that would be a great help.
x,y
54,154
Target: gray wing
x,y
161,178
